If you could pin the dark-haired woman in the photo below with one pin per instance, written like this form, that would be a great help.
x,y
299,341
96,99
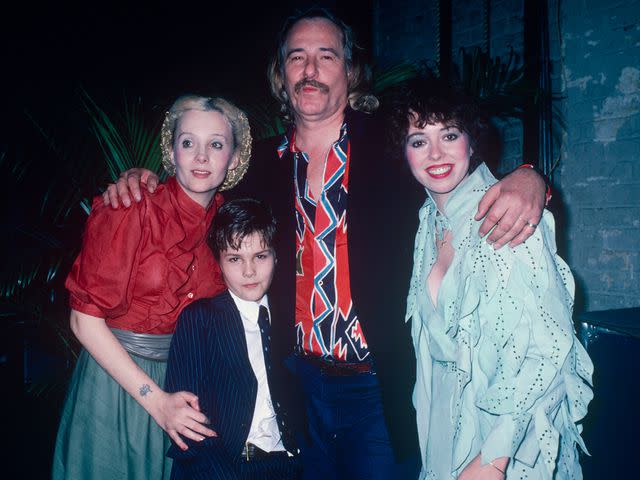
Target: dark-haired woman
x,y
501,377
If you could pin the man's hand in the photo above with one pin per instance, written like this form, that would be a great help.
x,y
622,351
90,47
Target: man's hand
x,y
129,183
513,206
179,414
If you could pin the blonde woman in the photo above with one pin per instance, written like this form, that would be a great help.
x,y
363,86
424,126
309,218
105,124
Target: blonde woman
x,y
138,268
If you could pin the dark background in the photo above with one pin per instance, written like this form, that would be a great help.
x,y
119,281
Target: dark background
x,y
122,53
156,51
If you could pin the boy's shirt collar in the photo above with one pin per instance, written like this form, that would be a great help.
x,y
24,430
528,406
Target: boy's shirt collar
x,y
250,309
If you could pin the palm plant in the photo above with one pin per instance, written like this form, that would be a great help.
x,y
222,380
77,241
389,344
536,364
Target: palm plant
x,y
125,140
498,84
502,89
264,115
45,233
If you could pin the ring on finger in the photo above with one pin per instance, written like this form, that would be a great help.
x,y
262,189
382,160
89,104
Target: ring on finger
x,y
532,225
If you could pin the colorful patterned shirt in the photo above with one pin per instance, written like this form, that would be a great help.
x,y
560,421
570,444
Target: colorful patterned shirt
x,y
326,321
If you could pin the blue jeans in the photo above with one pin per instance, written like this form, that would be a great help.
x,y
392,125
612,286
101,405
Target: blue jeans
x,y
348,434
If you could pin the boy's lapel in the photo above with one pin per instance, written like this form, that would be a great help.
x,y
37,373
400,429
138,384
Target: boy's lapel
x,y
233,344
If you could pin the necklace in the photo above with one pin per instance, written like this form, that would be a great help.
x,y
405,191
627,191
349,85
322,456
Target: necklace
x,y
441,230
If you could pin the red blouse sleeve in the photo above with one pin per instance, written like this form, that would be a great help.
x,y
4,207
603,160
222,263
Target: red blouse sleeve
x,y
102,277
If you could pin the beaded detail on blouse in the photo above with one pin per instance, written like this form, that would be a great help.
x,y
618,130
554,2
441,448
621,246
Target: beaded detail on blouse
x,y
504,317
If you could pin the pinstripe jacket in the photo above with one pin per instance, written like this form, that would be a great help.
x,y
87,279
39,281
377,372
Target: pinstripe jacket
x,y
209,358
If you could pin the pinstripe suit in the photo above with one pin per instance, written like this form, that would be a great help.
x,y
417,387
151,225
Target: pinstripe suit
x,y
209,358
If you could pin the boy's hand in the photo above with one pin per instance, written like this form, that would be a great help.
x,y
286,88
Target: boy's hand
x,y
129,184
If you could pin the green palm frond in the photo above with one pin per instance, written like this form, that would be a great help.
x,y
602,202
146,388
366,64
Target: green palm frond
x,y
67,169
125,140
388,78
499,84
265,118
503,90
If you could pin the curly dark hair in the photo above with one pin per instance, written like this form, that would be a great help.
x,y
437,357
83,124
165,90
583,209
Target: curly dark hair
x,y
428,100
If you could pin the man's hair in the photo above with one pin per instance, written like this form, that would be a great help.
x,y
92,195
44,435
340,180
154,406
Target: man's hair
x,y
358,73
429,100
237,219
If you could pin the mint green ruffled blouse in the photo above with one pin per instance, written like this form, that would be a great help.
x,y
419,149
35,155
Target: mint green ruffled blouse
x,y
504,319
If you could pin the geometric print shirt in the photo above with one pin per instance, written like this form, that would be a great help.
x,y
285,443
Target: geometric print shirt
x,y
327,323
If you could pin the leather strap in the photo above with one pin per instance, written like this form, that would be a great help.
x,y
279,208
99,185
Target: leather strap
x,y
333,368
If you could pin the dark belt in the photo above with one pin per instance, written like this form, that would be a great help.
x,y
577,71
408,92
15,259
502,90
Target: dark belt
x,y
251,453
335,368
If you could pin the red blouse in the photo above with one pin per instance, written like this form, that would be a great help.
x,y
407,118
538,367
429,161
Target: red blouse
x,y
140,266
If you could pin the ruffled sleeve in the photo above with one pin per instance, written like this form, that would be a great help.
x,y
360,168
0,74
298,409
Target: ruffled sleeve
x,y
102,277
533,378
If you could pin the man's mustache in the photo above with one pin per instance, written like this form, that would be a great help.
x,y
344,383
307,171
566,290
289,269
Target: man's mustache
x,y
311,83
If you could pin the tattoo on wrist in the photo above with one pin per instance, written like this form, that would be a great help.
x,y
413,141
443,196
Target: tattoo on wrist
x,y
144,389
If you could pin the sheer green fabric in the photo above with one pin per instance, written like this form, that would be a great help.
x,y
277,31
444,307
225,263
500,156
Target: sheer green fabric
x,y
519,376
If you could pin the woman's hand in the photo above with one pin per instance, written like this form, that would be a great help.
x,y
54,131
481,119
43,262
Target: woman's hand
x,y
129,183
176,413
476,471
512,206
179,414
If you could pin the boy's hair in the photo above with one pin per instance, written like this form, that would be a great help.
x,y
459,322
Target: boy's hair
x,y
238,218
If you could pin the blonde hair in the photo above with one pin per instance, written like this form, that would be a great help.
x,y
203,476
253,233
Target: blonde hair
x,y
233,115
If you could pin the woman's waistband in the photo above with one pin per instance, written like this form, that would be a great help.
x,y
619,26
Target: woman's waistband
x,y
146,345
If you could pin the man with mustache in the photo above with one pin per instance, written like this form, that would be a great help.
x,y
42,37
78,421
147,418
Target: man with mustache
x,y
346,217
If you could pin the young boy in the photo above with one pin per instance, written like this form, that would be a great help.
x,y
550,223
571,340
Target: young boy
x,y
222,352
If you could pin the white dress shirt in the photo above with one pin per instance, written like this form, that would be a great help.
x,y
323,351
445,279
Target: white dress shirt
x,y
264,432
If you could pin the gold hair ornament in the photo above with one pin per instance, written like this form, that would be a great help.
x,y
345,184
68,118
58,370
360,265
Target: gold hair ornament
x,y
243,149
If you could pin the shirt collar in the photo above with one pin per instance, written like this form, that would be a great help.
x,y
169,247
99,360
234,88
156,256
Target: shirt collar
x,y
289,140
248,308
463,198
189,206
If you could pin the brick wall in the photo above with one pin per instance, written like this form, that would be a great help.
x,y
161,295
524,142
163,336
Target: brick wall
x,y
600,167
402,31
595,66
